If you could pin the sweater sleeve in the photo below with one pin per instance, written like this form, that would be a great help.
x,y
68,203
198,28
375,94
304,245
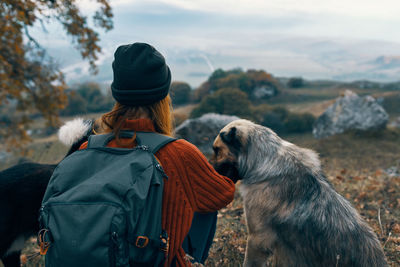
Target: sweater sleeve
x,y
208,190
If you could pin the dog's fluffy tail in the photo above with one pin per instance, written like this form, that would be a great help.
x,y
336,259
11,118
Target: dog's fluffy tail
x,y
72,131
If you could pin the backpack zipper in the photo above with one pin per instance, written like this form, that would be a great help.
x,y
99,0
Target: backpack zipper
x,y
114,246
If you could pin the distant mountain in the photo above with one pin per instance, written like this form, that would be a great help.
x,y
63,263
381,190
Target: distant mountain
x,y
386,62
309,58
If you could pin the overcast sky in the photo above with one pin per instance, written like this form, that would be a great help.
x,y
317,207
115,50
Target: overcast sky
x,y
314,39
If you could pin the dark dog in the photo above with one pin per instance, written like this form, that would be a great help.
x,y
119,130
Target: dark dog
x,y
291,209
21,191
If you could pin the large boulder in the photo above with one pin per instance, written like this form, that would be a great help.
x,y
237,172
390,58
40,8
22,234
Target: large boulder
x,y
202,131
350,111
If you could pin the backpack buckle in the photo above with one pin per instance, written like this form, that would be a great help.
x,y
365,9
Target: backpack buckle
x,y
164,245
43,240
142,241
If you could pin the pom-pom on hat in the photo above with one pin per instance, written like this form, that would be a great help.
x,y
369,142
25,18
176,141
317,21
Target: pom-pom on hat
x,y
141,76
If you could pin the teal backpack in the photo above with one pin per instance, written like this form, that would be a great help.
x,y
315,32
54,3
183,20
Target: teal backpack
x,y
102,206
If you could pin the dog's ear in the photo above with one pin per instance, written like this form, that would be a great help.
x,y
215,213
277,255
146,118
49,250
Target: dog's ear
x,y
230,138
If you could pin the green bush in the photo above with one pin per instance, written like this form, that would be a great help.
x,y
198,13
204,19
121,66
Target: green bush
x,y
180,93
86,98
271,117
247,82
295,82
76,105
96,100
392,104
230,101
281,120
299,123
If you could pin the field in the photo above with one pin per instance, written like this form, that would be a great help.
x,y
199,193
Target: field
x,y
354,163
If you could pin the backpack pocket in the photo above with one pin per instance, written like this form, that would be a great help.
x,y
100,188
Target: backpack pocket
x,y
85,234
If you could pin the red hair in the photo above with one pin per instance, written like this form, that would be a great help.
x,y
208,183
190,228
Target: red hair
x,y
160,113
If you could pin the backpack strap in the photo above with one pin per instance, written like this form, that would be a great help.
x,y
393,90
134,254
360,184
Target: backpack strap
x,y
153,141
99,140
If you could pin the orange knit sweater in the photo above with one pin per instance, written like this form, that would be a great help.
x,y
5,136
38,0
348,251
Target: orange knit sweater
x,y
192,185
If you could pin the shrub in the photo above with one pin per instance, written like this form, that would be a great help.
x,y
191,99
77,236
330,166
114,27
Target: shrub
x,y
96,100
230,101
258,84
299,123
295,82
76,105
281,120
271,117
391,104
86,98
180,93
201,92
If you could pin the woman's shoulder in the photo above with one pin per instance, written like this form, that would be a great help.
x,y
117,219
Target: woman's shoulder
x,y
182,145
179,145
185,150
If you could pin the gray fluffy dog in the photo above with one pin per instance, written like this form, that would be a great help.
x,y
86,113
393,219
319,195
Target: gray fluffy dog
x,y
291,209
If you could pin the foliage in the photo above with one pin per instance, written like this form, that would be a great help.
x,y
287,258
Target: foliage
x,y
231,101
76,104
96,101
180,93
272,117
28,78
392,104
299,123
295,82
250,82
282,121
86,98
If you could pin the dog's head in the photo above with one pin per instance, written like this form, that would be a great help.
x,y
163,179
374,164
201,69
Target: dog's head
x,y
248,151
228,146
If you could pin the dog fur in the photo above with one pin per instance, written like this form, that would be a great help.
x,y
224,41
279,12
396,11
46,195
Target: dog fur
x,y
21,191
292,211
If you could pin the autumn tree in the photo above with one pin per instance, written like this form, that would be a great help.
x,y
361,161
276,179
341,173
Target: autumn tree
x,y
30,83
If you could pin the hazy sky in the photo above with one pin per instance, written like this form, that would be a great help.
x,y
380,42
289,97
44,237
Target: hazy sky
x,y
315,39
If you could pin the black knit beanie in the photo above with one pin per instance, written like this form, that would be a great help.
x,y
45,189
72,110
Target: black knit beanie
x,y
141,76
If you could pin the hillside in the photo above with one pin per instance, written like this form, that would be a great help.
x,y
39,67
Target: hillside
x,y
354,163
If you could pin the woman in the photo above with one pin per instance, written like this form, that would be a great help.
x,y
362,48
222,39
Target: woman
x,y
140,87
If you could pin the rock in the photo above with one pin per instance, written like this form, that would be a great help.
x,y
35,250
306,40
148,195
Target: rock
x,y
393,171
395,123
202,131
350,111
264,91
